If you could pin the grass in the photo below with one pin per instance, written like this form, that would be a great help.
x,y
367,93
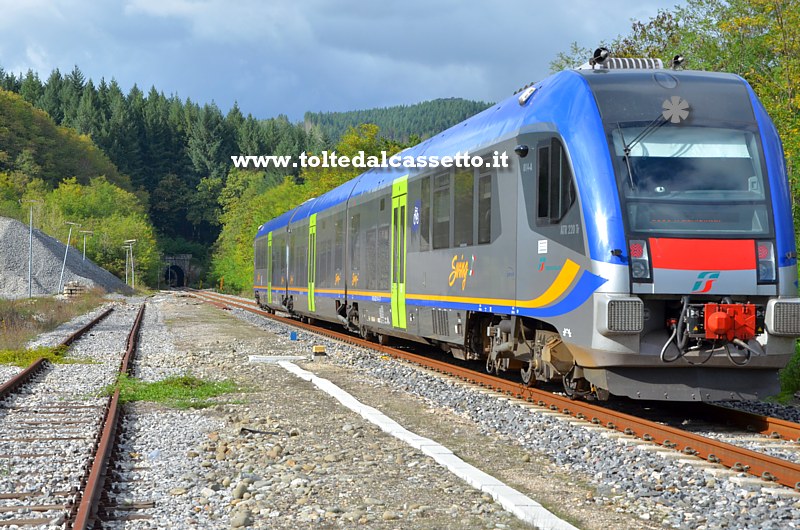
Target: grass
x,y
790,378
182,392
24,319
24,358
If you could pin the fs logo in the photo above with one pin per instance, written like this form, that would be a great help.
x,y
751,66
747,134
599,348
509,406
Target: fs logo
x,y
705,281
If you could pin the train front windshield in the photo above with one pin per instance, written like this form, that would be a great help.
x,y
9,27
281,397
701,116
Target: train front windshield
x,y
685,179
687,153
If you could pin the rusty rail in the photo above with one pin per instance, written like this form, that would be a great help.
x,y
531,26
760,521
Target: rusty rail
x,y
772,427
758,464
86,510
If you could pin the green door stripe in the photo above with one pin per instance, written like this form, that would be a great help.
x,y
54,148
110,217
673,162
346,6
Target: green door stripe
x,y
398,255
312,261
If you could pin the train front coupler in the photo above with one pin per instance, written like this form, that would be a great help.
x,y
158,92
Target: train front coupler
x,y
710,327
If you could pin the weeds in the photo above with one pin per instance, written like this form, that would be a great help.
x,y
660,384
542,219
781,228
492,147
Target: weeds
x,y
790,378
180,392
24,358
24,319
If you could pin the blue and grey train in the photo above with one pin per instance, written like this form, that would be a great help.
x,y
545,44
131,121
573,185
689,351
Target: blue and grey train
x,y
639,242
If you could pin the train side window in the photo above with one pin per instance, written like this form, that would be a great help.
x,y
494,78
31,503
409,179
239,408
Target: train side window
x,y
278,252
261,252
338,246
464,195
370,276
292,257
441,211
355,229
425,215
301,259
485,208
384,255
556,184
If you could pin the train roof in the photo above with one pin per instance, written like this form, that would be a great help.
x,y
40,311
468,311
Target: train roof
x,y
546,106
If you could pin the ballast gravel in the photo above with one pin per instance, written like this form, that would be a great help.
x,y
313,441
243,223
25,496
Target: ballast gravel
x,y
283,455
48,426
634,481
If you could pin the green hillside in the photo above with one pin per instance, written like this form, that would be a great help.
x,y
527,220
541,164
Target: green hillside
x,y
400,122
32,143
65,177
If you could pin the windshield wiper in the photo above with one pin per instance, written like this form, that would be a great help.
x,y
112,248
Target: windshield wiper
x,y
627,147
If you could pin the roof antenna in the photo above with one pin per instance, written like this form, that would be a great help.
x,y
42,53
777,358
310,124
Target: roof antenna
x,y
599,57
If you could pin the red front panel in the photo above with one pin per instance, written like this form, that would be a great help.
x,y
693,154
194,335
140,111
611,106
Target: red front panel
x,y
703,254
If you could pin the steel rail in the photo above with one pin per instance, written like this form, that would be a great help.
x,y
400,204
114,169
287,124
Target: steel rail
x,y
751,421
737,458
86,509
39,364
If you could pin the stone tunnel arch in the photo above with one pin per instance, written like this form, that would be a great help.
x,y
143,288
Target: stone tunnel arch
x,y
174,276
175,270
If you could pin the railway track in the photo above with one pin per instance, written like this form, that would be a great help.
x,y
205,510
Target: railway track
x,y
719,451
57,439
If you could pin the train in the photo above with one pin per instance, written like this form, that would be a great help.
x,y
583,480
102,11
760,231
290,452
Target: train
x,y
639,241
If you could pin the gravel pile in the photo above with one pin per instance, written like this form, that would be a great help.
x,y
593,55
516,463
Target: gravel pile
x,y
48,258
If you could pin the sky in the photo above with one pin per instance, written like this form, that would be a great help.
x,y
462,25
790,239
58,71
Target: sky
x,y
291,56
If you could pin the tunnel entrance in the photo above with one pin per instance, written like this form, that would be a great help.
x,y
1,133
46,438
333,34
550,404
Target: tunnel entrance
x,y
175,270
174,276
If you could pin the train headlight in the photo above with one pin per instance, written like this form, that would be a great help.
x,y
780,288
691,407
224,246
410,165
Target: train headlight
x,y
640,259
765,255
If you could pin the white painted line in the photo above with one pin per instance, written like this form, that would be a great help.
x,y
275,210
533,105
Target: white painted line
x,y
272,359
512,500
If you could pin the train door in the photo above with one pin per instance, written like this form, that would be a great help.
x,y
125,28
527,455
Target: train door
x,y
269,268
399,209
312,261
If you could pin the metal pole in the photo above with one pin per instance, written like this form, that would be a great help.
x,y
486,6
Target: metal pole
x,y
85,233
130,243
30,245
30,256
126,264
64,265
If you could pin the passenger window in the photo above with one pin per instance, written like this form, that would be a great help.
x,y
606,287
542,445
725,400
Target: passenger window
x,y
485,209
355,246
441,211
425,215
556,184
465,190
338,248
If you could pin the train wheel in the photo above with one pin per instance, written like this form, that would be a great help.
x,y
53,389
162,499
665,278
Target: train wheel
x,y
528,377
492,365
382,339
602,394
